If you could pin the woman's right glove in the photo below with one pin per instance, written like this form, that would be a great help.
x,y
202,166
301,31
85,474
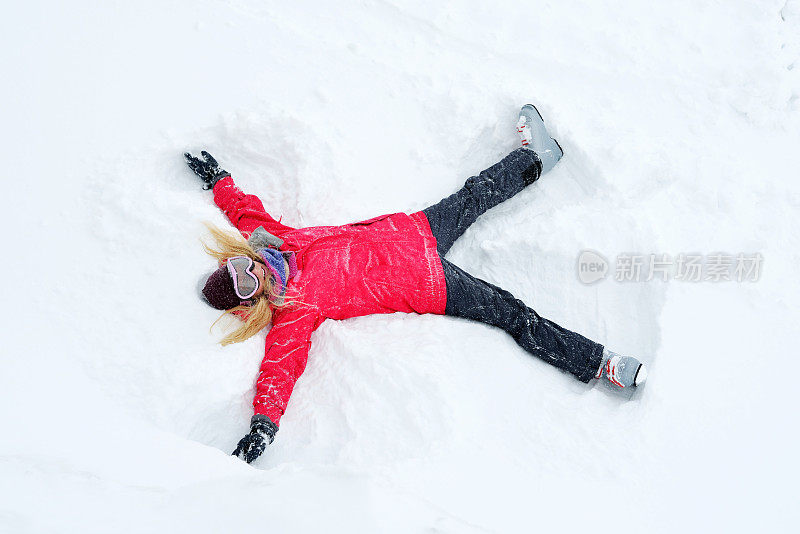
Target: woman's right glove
x,y
207,168
262,433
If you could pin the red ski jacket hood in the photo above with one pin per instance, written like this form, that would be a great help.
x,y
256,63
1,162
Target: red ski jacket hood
x,y
382,265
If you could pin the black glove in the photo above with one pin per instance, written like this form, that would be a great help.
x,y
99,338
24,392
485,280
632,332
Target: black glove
x,y
262,433
207,168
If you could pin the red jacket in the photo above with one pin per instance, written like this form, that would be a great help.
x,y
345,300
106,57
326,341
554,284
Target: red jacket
x,y
382,265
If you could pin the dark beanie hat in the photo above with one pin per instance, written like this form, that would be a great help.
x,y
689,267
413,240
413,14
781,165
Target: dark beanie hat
x,y
218,290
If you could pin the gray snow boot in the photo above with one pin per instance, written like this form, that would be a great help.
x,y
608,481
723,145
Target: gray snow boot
x,y
622,371
534,136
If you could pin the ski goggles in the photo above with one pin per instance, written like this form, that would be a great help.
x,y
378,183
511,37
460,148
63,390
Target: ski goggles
x,y
245,282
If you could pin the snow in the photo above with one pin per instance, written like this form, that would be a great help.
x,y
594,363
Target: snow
x,y
680,122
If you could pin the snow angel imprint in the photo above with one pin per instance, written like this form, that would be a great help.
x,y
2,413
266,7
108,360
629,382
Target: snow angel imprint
x,y
296,278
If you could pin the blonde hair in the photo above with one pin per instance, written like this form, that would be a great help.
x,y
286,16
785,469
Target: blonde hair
x,y
256,316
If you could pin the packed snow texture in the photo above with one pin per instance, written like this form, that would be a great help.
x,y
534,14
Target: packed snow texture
x,y
680,122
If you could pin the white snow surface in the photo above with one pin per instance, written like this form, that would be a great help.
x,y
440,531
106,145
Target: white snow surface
x,y
681,126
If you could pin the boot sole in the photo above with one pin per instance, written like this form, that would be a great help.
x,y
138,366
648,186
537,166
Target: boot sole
x,y
639,380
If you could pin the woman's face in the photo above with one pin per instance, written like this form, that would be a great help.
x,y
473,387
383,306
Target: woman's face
x,y
263,275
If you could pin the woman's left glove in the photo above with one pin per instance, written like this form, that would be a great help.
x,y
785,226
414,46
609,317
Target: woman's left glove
x,y
207,168
262,433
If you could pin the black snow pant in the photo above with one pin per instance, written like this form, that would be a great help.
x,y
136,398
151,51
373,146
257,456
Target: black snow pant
x,y
472,298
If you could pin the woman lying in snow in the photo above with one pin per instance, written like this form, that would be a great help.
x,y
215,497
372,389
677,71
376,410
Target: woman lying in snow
x,y
296,278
